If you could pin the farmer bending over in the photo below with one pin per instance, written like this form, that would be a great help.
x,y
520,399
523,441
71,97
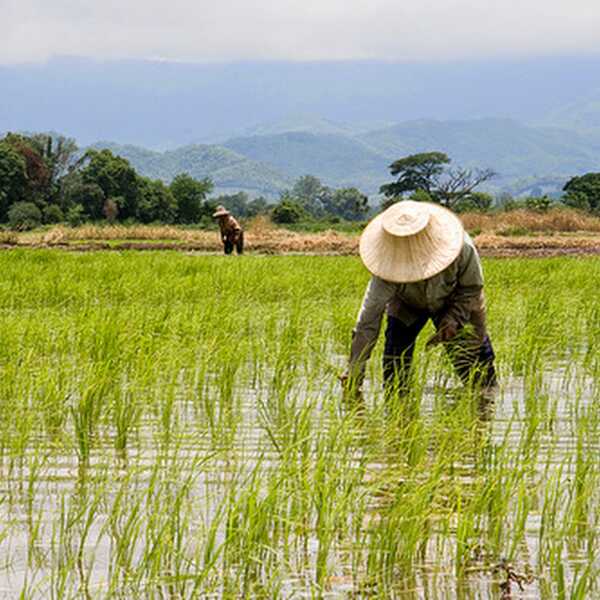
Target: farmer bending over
x,y
231,231
423,266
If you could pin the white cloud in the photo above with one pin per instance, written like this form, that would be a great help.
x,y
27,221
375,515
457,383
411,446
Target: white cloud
x,y
202,30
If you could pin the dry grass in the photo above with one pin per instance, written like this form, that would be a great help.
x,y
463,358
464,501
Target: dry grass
x,y
8,238
516,230
555,220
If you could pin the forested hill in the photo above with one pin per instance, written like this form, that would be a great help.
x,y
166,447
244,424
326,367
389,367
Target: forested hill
x,y
267,164
229,170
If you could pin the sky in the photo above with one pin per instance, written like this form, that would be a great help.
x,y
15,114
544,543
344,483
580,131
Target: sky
x,y
226,30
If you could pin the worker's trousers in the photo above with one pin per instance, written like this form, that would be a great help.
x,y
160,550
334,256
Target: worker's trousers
x,y
229,245
471,355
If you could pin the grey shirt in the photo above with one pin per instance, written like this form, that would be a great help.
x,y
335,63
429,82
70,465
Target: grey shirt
x,y
455,293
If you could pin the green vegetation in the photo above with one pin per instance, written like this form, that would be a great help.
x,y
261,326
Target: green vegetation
x,y
43,178
227,169
427,175
162,438
583,192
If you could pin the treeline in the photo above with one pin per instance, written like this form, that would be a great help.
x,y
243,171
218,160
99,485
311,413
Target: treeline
x,y
428,176
45,179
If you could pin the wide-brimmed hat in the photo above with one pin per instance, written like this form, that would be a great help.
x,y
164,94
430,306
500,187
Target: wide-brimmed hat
x,y
411,241
221,211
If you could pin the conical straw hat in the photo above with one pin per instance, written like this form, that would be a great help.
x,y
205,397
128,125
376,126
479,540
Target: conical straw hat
x,y
411,241
220,211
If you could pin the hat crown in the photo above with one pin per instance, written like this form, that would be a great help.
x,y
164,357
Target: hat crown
x,y
411,241
405,218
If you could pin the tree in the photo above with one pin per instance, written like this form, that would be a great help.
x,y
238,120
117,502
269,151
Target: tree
x,y
24,215
459,184
428,172
111,209
75,215
287,211
583,192
52,214
157,202
13,178
237,203
258,206
540,204
475,201
89,196
37,173
115,176
415,172
190,195
311,194
349,204
58,153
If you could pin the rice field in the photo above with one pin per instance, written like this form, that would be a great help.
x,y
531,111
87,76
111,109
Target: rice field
x,y
171,426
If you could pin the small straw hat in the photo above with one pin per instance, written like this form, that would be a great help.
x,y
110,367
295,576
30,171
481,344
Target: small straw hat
x,y
220,212
411,241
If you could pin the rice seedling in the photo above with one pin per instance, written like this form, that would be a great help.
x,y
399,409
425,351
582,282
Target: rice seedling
x,y
172,426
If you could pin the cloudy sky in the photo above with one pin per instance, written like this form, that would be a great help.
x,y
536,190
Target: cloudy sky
x,y
217,30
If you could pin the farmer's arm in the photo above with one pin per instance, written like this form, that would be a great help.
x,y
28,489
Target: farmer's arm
x,y
366,331
468,292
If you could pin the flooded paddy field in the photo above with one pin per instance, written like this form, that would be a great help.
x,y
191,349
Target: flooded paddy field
x,y
172,426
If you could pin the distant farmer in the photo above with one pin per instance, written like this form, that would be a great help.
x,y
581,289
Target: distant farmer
x,y
423,266
231,231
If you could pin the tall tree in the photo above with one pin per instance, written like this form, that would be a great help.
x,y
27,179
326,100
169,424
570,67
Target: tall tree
x,y
190,195
416,172
38,174
348,203
311,194
429,173
115,176
583,192
13,178
157,202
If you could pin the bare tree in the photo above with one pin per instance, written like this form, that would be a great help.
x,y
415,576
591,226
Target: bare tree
x,y
459,183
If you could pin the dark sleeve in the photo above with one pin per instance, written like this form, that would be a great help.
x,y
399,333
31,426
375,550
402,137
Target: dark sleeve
x,y
368,324
468,292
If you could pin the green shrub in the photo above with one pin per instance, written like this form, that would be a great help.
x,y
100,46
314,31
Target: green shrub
x,y
538,203
53,214
288,211
24,215
75,215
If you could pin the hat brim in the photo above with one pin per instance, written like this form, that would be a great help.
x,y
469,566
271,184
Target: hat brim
x,y
416,257
221,213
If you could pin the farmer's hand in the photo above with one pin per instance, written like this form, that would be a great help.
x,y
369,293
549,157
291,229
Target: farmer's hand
x,y
446,331
350,387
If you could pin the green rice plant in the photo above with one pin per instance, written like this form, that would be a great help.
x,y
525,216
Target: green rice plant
x,y
172,426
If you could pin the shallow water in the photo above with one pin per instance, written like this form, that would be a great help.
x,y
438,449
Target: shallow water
x,y
40,491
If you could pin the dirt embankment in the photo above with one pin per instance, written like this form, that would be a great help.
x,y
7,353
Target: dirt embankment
x,y
517,233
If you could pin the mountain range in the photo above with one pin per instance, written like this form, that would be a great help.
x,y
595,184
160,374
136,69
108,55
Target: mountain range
x,y
523,157
257,126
